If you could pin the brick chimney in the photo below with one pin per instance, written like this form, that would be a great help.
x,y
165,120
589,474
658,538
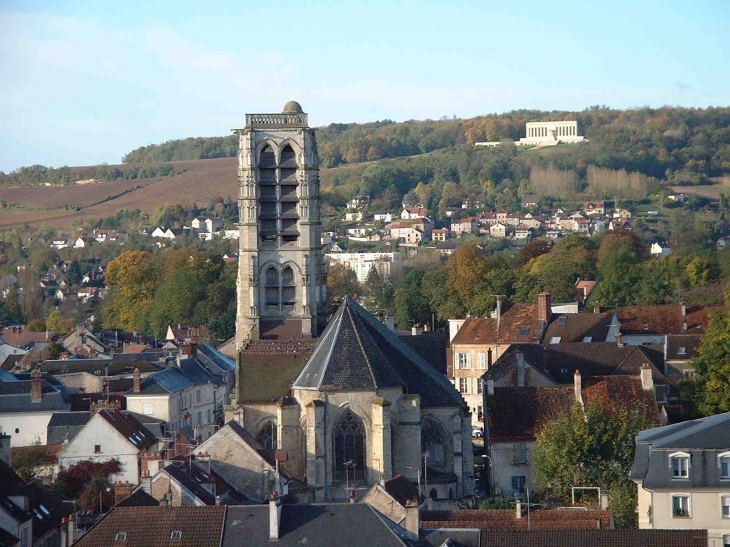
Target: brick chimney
x,y
36,389
274,516
137,381
647,380
578,387
122,490
544,304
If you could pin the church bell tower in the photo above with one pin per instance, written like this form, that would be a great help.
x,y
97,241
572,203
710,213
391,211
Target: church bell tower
x,y
281,283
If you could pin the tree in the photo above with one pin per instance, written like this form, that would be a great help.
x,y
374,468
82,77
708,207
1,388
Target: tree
x,y
175,301
341,281
74,480
590,446
411,306
532,250
467,268
132,280
60,324
74,274
27,460
712,367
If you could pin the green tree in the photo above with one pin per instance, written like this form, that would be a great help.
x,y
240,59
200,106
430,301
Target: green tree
x,y
712,367
590,446
175,301
411,306
341,281
132,278
74,274
60,324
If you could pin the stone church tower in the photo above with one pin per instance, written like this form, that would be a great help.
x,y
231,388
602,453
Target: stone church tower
x,y
281,282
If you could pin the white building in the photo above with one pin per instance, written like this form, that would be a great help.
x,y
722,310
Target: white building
x,y
353,217
660,249
385,217
386,264
110,435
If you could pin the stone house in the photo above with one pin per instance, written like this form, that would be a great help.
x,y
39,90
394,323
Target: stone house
x,y
466,225
440,234
413,213
499,230
683,476
110,435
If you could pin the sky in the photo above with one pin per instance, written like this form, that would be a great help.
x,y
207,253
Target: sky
x,y
84,82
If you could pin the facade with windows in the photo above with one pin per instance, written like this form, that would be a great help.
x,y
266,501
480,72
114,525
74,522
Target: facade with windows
x,y
683,476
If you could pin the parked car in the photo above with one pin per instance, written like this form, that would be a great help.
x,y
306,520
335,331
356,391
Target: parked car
x,y
477,431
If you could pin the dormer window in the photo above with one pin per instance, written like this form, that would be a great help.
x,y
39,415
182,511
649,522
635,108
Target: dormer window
x,y
555,339
680,465
524,332
177,534
121,536
682,351
562,319
724,464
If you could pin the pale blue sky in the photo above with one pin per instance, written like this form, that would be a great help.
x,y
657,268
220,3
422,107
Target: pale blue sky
x,y
84,82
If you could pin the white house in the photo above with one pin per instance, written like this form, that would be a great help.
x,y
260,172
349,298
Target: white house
x,y
158,232
110,435
353,217
385,217
660,249
60,243
230,234
413,213
27,403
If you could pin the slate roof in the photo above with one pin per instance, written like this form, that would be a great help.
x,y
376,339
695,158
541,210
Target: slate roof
x,y
104,367
506,519
145,526
333,525
66,423
139,498
175,378
357,352
431,347
401,489
48,509
559,361
130,428
604,538
704,439
15,396
575,327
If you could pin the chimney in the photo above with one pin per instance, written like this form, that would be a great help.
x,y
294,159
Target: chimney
x,y
274,516
416,330
413,519
604,501
36,390
146,482
499,309
597,307
684,323
351,497
137,382
520,356
578,387
390,322
122,490
619,339
544,304
684,310
490,387
518,509
489,358
647,381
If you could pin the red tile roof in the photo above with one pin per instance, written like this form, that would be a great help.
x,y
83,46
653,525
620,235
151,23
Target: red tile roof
x,y
537,406
604,538
512,324
506,519
145,526
667,319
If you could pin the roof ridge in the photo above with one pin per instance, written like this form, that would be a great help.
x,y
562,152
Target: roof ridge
x,y
362,347
701,425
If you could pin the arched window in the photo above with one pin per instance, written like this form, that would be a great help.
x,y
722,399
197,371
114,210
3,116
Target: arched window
x,y
433,443
349,441
267,158
288,287
288,157
434,495
272,287
267,436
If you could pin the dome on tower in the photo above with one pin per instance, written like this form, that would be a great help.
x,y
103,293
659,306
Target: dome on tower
x,y
292,107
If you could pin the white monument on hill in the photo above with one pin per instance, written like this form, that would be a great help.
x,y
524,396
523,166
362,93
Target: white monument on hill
x,y
545,134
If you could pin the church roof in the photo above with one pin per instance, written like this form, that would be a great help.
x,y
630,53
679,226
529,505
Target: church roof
x,y
357,352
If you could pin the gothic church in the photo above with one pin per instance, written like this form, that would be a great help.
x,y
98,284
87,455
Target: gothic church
x,y
356,404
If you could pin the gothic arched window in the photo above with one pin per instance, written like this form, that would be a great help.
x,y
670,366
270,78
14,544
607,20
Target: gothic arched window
x,y
267,158
288,157
272,287
267,436
288,287
349,441
433,443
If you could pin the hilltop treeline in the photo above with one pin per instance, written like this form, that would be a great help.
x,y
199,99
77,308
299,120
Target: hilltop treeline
x,y
682,145
64,176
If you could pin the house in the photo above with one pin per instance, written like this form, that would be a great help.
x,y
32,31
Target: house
x,y
61,243
677,198
230,234
499,230
481,341
110,435
584,288
184,393
494,520
529,201
391,498
451,211
622,214
173,233
288,525
412,231
359,202
582,327
466,225
353,217
621,224
440,234
184,481
383,217
83,339
510,436
82,242
660,249
522,231
487,218
158,232
386,264
722,242
32,514
251,467
591,208
27,403
682,472
413,213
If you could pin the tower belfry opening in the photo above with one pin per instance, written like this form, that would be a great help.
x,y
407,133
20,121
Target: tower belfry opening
x,y
281,283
